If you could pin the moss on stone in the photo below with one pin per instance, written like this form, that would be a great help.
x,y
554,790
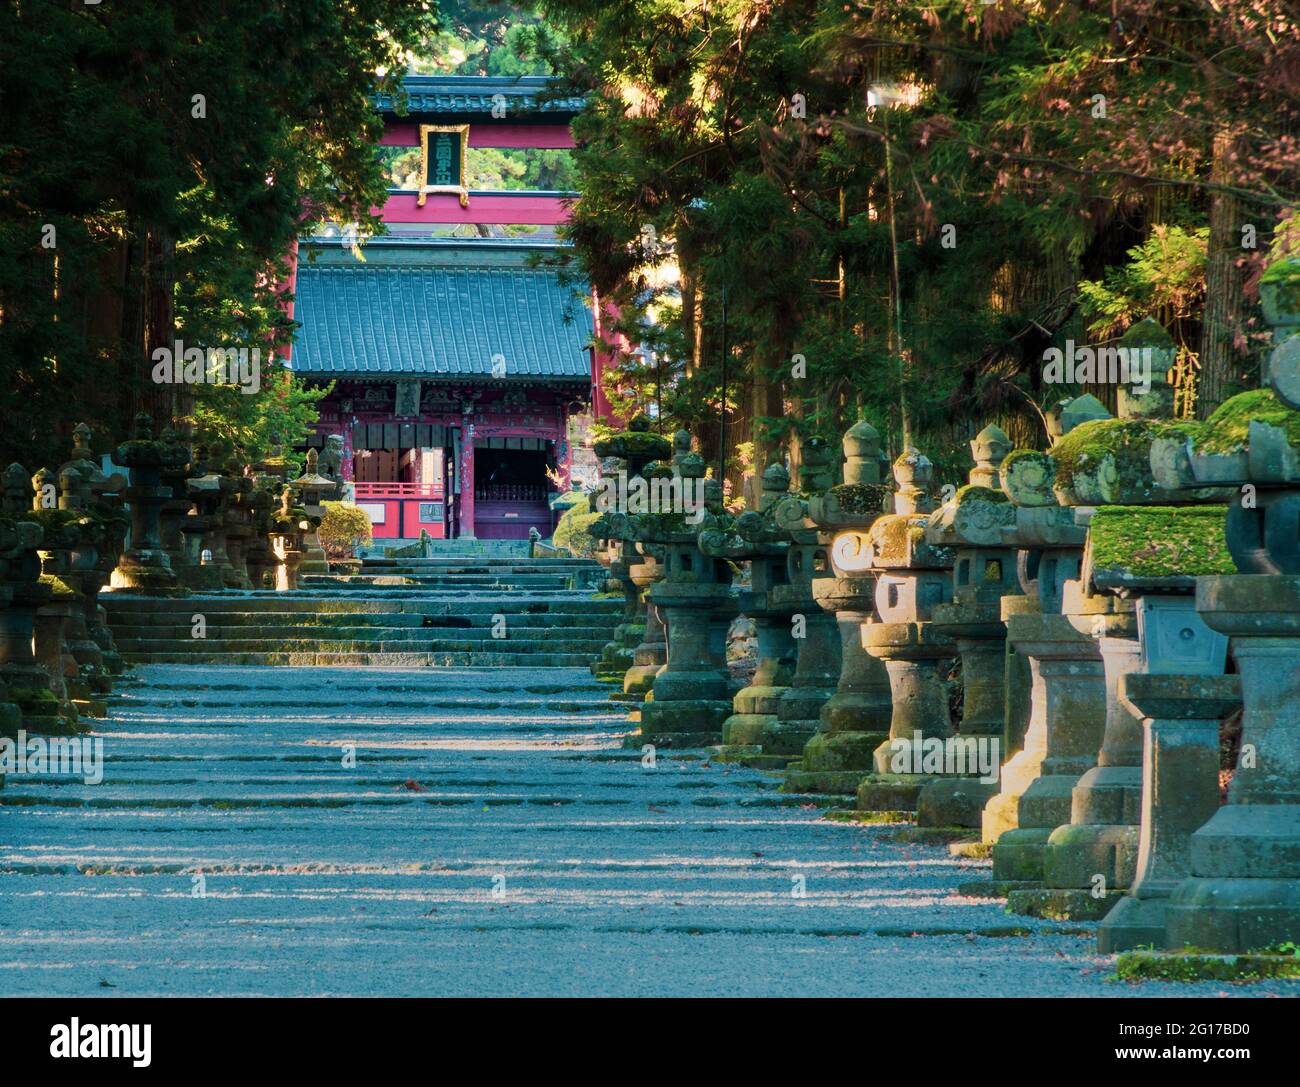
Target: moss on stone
x,y
974,492
633,444
895,538
1161,541
861,497
1022,454
1193,965
1127,440
1228,429
60,587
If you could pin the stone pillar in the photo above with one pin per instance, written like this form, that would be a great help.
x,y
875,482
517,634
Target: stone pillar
x,y
1017,680
854,721
651,652
1042,572
691,695
1243,892
817,668
755,706
1064,736
914,577
1180,717
817,664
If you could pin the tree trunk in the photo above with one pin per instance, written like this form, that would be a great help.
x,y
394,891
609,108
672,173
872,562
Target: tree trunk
x,y
1223,294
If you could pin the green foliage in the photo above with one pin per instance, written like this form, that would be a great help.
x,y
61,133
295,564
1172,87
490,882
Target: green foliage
x,y
1165,274
572,533
136,214
343,528
1016,204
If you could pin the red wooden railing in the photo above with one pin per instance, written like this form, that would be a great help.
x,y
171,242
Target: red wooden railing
x,y
376,491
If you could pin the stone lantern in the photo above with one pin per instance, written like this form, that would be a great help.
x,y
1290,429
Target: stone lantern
x,y
29,685
973,524
1243,888
176,509
691,695
1125,598
99,496
289,525
205,527
261,559
753,537
145,565
636,652
854,721
20,680
312,490
817,666
1068,693
913,578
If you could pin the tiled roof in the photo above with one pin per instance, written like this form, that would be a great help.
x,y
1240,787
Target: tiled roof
x,y
477,94
438,321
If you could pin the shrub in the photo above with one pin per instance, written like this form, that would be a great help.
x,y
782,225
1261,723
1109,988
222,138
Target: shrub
x,y
343,529
572,531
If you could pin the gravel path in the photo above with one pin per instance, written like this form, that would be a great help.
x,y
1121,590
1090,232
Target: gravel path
x,y
493,838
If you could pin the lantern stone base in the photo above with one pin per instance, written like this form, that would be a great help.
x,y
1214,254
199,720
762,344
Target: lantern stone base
x,y
1243,893
954,802
683,722
1062,905
147,572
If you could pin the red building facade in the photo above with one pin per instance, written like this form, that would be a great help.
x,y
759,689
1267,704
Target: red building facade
x,y
457,361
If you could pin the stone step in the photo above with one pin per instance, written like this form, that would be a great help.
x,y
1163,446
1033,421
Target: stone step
x,y
201,646
514,630
358,582
529,661
474,564
121,604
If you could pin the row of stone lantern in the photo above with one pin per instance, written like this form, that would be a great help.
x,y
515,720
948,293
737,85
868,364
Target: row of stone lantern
x,y
173,524
61,537
200,522
1093,594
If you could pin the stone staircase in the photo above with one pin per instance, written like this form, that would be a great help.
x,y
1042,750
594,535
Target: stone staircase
x,y
461,572
394,613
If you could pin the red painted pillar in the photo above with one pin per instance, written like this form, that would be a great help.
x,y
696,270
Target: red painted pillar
x,y
467,481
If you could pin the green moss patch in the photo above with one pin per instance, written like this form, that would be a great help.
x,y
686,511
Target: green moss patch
x,y
861,497
634,444
1127,440
60,587
1186,966
892,536
1160,541
1228,429
973,492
